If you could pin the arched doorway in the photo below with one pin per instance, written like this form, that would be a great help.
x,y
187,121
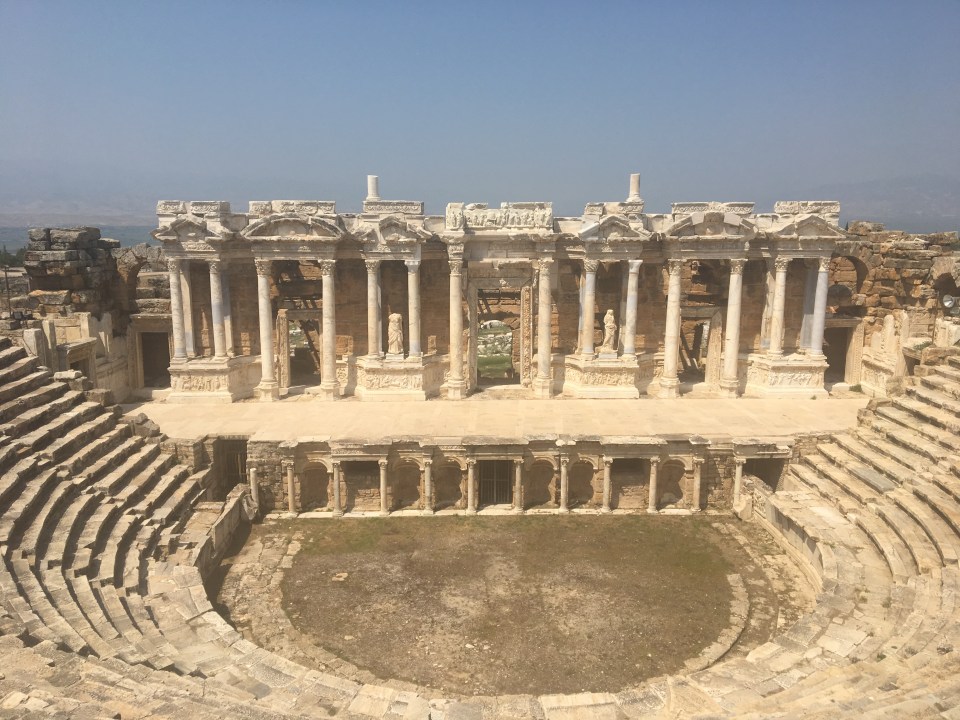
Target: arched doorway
x,y
581,484
314,487
540,485
448,485
670,484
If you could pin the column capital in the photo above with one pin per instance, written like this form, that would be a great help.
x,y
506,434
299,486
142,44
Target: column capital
x,y
412,265
382,462
215,265
335,464
518,461
655,460
590,265
564,461
471,462
327,266
544,264
633,266
739,460
780,263
674,266
697,461
174,264
372,265
427,462
823,263
607,461
456,266
263,266
286,464
737,265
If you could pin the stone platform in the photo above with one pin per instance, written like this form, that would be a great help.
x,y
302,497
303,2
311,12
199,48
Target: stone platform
x,y
500,420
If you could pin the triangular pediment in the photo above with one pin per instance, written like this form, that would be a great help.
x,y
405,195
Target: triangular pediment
x,y
809,226
613,228
185,228
392,230
713,225
293,226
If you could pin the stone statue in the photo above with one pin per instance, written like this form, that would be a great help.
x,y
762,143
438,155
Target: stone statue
x,y
609,333
395,334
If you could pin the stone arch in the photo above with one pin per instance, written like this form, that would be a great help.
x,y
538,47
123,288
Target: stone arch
x,y
582,487
315,488
541,483
448,480
405,484
847,276
670,483
130,261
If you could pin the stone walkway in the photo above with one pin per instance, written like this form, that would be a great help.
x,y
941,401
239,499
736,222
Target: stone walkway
x,y
505,420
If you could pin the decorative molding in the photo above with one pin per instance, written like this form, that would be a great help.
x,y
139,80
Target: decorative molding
x,y
413,266
544,264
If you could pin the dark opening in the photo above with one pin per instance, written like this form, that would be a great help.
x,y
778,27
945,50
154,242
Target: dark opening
x,y
835,341
230,456
304,339
155,355
496,487
362,482
498,313
767,469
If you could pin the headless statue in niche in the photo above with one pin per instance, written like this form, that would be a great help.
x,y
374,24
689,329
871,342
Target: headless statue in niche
x,y
395,334
609,343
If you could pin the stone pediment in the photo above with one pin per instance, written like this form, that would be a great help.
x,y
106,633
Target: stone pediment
x,y
713,225
188,230
613,228
392,230
808,226
293,226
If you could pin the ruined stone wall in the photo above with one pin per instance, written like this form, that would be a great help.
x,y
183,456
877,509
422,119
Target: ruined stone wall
x,y
244,318
567,304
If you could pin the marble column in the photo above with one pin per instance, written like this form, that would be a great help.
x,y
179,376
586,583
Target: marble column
x,y
337,500
384,507
543,386
588,310
629,332
456,387
738,480
652,490
227,311
779,303
268,388
374,338
291,487
695,499
216,310
176,311
471,487
730,377
254,486
809,293
413,307
669,380
427,486
820,307
607,484
518,486
328,373
187,306
564,485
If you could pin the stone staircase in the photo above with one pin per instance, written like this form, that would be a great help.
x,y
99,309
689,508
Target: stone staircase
x,y
103,610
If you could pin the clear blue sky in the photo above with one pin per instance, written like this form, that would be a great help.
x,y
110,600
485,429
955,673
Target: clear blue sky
x,y
116,104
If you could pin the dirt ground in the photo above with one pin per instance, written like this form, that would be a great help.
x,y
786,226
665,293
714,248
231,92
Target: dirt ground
x,y
511,605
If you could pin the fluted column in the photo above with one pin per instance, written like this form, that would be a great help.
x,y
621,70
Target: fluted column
x,y
543,385
695,500
629,333
471,486
738,480
374,339
268,389
588,308
216,310
607,484
779,303
176,311
384,507
564,485
730,377
456,387
328,373
820,307
413,306
652,490
669,380
518,485
337,500
428,486
291,486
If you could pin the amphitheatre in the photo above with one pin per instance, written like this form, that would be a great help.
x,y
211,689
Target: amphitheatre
x,y
494,463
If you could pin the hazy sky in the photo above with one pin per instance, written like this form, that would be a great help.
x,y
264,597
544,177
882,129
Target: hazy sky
x,y
113,105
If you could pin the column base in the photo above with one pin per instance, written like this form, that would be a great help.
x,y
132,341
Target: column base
x,y
729,388
605,510
470,511
564,511
456,389
267,392
338,513
325,392
543,387
428,511
652,511
384,513
669,388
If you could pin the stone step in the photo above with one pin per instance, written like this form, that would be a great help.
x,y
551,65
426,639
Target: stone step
x,y
61,425
918,449
37,530
834,464
935,398
131,497
865,449
14,479
925,413
924,553
25,507
944,505
895,553
947,386
839,454
120,446
9,356
16,394
35,419
948,440
948,372
33,593
72,446
904,460
941,534
83,464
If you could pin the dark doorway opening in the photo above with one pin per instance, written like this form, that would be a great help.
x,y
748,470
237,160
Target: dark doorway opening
x,y
304,340
155,357
495,485
498,349
835,342
770,470
230,456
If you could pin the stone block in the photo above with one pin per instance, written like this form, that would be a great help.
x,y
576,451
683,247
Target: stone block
x,y
51,297
73,235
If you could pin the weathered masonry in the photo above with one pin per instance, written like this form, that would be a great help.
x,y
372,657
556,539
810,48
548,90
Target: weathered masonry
x,y
711,298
